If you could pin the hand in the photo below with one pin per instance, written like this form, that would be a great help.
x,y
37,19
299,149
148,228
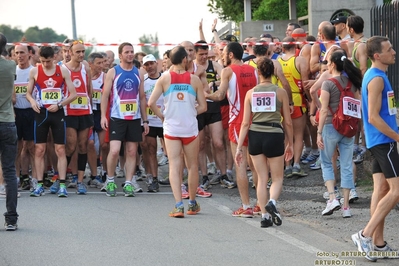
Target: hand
x,y
53,108
313,121
215,21
291,109
289,153
146,128
104,123
307,84
200,25
36,107
238,157
320,143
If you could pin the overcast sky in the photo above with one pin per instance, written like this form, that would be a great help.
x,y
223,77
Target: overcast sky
x,y
116,22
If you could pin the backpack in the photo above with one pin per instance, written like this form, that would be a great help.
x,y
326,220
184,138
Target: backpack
x,y
345,125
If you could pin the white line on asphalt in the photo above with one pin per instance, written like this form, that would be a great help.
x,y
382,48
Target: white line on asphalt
x,y
271,231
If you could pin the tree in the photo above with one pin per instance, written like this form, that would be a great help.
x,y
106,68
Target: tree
x,y
150,49
12,34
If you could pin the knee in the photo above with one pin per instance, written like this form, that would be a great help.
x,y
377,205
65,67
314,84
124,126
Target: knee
x,y
218,144
60,151
39,151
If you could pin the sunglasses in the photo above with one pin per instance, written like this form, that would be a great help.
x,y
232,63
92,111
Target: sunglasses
x,y
76,42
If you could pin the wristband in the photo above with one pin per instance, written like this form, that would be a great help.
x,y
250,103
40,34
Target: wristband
x,y
146,122
214,30
319,132
291,104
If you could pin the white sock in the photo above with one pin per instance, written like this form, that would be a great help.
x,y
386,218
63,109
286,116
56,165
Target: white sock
x,y
315,151
246,206
297,165
110,179
266,215
308,149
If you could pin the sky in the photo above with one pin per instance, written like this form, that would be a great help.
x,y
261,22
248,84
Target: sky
x,y
117,21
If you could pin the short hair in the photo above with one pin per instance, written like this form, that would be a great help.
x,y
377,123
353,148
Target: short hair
x,y
3,42
296,25
356,23
201,46
122,45
104,54
46,52
329,32
10,49
373,45
93,57
136,63
261,49
136,55
67,40
310,38
167,52
236,49
177,55
265,66
291,43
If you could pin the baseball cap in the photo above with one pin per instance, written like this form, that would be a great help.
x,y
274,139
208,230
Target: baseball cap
x,y
266,35
149,58
339,20
230,38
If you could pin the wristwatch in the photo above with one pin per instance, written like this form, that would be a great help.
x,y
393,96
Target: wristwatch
x,y
60,106
146,122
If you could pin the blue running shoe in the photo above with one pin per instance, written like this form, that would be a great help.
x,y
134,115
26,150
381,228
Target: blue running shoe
x,y
310,158
73,182
62,192
55,187
81,189
39,191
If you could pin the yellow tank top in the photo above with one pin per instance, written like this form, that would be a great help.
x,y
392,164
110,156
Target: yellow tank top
x,y
293,77
252,63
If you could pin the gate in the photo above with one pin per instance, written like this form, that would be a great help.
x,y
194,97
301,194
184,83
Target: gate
x,y
384,21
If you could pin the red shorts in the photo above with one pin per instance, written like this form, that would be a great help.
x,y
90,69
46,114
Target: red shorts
x,y
224,110
298,112
234,132
184,140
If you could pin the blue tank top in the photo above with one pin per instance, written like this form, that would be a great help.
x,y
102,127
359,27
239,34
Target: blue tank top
x,y
374,136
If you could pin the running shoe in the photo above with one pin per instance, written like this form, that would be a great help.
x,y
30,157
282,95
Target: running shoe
x,y
359,158
264,222
346,212
128,189
257,210
288,172
163,161
272,210
11,227
206,184
364,244
215,180
25,184
39,191
228,184
33,184
136,185
316,165
202,193
73,182
211,168
120,173
153,186
177,212
305,154
111,189
387,252
97,182
193,209
164,181
81,189
62,192
310,158
248,213
55,187
326,195
184,193
331,207
297,171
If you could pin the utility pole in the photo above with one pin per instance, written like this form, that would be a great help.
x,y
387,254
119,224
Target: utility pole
x,y
247,10
74,35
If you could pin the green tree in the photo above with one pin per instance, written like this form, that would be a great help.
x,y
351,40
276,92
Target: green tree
x,y
35,34
12,34
150,49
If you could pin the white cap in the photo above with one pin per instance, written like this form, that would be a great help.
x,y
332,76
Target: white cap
x,y
148,58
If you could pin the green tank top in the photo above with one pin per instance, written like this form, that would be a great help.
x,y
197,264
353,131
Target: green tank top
x,y
354,59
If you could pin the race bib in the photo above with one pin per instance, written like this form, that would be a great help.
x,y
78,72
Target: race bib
x,y
21,88
51,95
391,103
264,101
128,107
96,98
151,114
351,107
81,102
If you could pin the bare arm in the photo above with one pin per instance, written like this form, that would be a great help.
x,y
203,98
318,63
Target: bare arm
x,y
224,86
361,55
284,82
201,32
315,88
325,99
109,78
375,88
202,105
246,121
89,83
287,124
304,70
156,93
214,31
29,91
70,86
143,102
315,58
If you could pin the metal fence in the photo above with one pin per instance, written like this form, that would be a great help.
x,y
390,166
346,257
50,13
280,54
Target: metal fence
x,y
384,21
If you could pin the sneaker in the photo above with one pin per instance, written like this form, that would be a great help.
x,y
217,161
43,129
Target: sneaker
x,y
74,182
248,213
215,180
202,193
81,189
184,193
346,213
257,210
364,244
39,191
104,187
139,175
128,189
2,191
136,185
193,209
111,189
25,184
164,181
288,172
388,252
311,158
316,165
177,212
359,158
62,192
55,187
353,195
206,184
11,227
272,210
305,154
297,171
97,182
326,196
153,186
228,184
264,222
120,173
211,168
33,184
163,161
331,207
